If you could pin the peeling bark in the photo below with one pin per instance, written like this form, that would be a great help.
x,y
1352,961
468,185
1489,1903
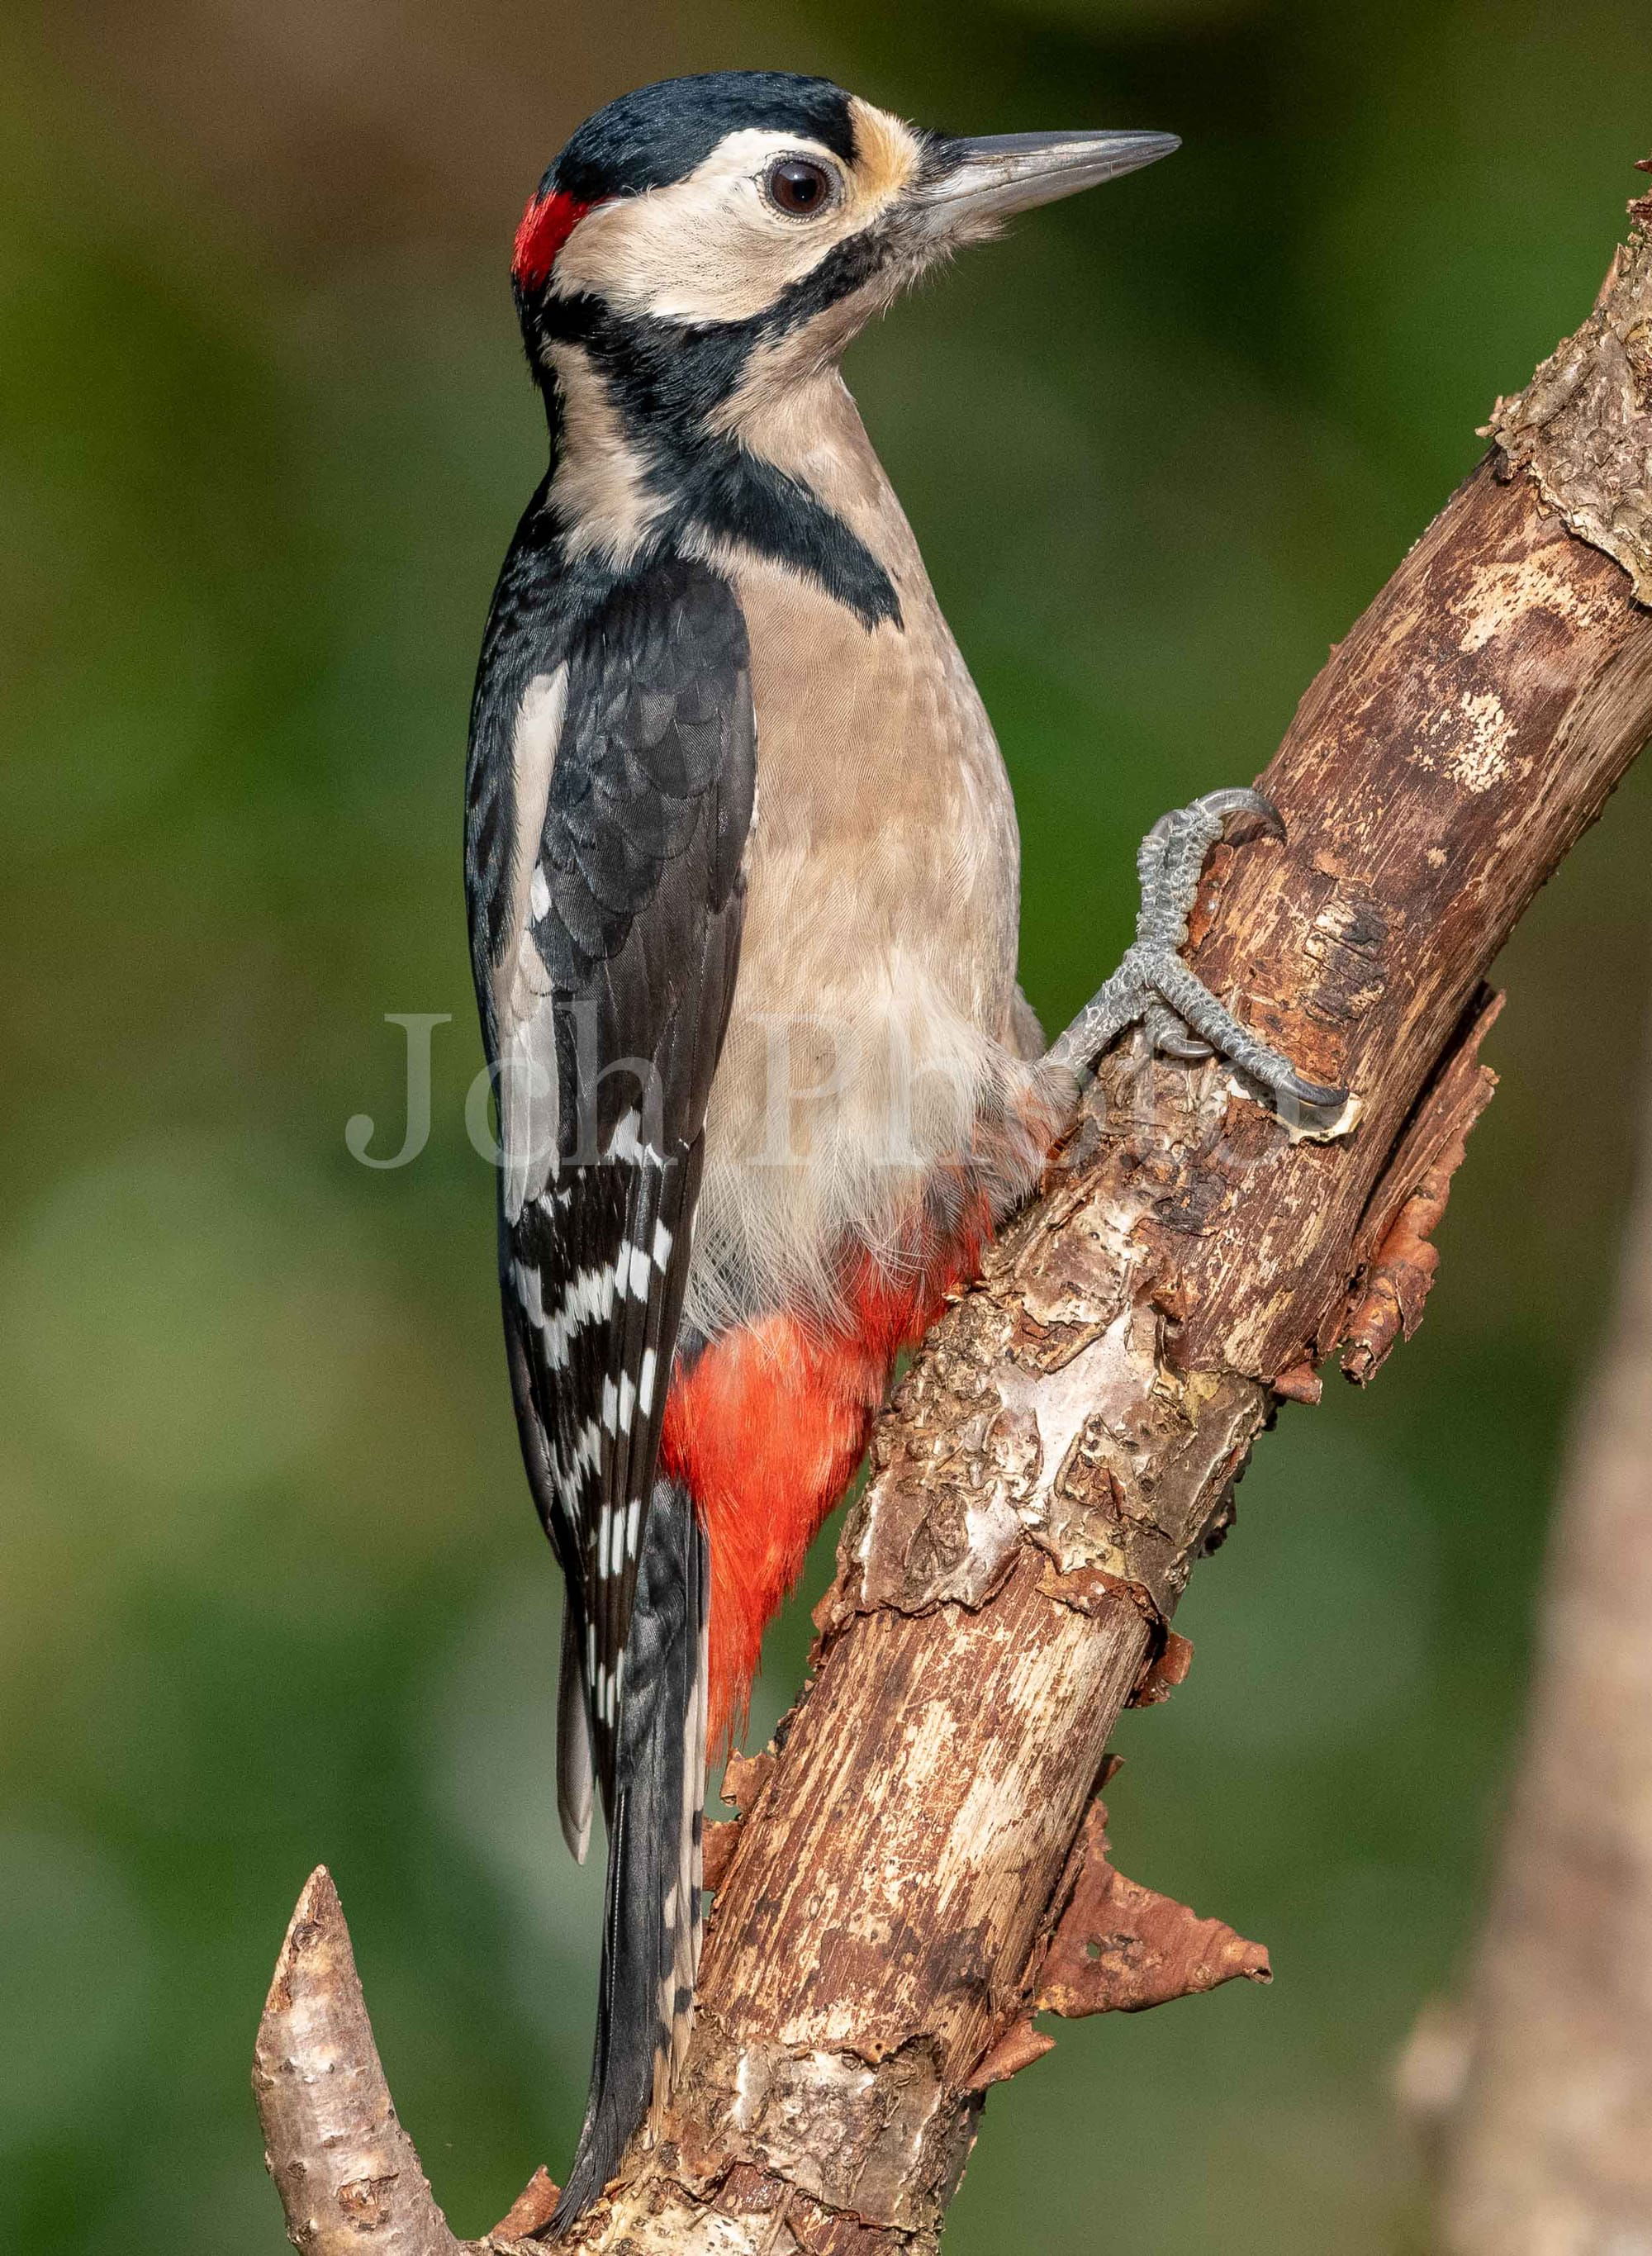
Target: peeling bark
x,y
1066,1445
1582,426
1017,2048
530,2212
1118,1948
1410,1204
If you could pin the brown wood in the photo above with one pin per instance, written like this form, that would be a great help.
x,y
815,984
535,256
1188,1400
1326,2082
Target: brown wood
x,y
1396,1249
1067,1443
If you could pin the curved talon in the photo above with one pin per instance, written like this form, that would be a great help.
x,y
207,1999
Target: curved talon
x,y
1182,1049
1314,1094
1169,1036
1244,799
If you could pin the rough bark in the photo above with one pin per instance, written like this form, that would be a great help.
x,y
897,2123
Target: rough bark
x,y
1067,1443
1549,2147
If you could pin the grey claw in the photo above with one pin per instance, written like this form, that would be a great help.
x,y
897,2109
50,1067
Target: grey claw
x,y
1243,799
1272,821
1313,1094
1183,1049
1170,1036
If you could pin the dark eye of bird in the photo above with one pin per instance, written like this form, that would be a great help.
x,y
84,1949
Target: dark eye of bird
x,y
797,188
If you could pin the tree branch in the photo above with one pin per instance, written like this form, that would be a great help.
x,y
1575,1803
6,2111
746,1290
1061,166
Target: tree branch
x,y
345,2170
1548,2141
911,1855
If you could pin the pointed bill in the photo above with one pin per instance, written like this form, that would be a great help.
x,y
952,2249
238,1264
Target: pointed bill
x,y
989,180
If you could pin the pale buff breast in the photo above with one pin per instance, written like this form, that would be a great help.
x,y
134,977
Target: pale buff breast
x,y
875,1014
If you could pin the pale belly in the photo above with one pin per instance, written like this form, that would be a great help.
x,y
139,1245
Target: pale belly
x,y
874,1014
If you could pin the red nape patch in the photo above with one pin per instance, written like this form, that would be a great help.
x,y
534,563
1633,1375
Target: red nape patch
x,y
547,224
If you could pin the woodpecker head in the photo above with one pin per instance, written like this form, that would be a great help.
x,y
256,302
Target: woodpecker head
x,y
704,247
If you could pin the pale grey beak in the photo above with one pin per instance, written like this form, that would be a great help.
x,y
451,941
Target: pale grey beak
x,y
1004,172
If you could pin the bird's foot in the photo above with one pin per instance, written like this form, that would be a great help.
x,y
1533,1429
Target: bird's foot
x,y
1181,1018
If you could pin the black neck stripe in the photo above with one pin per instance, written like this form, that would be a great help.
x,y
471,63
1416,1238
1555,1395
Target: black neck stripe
x,y
666,380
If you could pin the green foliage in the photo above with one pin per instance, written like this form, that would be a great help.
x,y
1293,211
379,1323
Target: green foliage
x,y
270,1588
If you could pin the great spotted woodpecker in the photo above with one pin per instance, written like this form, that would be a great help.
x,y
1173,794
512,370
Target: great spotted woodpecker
x,y
743,874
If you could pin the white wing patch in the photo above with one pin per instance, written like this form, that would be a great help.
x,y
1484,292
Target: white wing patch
x,y
528,1102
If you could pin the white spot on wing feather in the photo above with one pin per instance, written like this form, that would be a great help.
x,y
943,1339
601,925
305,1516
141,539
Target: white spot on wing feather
x,y
529,1291
528,1096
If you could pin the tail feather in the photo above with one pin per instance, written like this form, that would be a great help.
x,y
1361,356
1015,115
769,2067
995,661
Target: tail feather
x,y
686,1939
651,1915
574,1770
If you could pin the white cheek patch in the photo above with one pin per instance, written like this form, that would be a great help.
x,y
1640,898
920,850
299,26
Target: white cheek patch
x,y
602,489
710,248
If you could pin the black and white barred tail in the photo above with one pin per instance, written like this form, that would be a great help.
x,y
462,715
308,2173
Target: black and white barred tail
x,y
651,1913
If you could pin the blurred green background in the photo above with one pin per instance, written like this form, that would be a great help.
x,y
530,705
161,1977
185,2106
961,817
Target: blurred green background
x,y
270,1590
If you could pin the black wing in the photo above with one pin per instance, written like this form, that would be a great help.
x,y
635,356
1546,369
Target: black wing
x,y
611,993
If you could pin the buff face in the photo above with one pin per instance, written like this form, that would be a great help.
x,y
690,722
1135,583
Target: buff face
x,y
775,207
760,215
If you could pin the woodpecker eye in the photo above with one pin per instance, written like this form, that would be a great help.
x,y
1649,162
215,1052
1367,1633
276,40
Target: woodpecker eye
x,y
797,187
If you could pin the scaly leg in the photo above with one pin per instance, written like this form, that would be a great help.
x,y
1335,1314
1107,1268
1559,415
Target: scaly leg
x,y
1183,1018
